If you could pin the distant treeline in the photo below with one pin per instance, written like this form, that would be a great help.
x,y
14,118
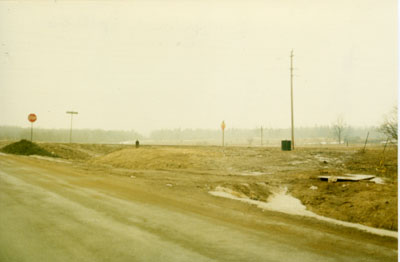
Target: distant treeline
x,y
253,136
62,135
233,136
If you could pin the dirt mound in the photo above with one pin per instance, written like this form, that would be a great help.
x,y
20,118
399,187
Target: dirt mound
x,y
162,158
25,147
66,151
74,151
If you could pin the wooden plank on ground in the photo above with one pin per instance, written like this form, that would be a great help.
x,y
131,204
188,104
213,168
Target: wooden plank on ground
x,y
347,177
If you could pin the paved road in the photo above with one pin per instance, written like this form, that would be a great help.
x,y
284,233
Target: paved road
x,y
63,212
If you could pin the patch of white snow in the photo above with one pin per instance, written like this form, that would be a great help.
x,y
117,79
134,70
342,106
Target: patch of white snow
x,y
282,202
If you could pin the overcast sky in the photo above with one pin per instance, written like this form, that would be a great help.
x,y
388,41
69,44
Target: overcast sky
x,y
145,65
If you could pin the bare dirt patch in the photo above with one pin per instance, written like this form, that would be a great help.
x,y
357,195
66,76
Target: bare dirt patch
x,y
80,151
162,158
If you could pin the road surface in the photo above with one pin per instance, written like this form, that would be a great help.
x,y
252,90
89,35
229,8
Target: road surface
x,y
71,212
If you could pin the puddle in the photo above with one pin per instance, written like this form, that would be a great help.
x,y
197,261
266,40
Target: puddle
x,y
282,202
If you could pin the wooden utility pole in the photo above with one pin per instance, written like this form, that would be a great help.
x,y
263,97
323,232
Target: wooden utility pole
x,y
366,141
382,167
291,95
70,131
223,133
223,137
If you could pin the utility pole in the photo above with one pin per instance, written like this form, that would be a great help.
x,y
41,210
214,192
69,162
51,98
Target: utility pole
x,y
70,131
291,94
223,133
366,141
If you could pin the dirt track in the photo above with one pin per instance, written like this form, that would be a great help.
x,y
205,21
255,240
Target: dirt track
x,y
78,212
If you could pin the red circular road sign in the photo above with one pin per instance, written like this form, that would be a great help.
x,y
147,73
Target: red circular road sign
x,y
32,118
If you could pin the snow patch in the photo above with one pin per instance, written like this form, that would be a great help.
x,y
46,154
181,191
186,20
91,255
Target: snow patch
x,y
378,180
282,202
322,159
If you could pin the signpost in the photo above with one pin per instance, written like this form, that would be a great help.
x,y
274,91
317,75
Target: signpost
x,y
32,118
223,131
70,131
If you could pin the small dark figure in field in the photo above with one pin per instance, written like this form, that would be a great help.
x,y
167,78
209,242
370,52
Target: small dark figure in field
x,y
137,143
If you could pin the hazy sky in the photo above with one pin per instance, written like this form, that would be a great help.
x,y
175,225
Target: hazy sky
x,y
146,65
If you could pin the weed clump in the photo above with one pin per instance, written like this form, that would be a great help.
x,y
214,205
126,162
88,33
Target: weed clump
x,y
25,147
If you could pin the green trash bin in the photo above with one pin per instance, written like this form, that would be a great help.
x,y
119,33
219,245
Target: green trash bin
x,y
286,145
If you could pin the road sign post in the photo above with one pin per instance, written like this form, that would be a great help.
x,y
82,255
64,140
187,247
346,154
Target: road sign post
x,y
32,118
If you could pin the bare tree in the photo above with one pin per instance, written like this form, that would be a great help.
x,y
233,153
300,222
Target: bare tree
x,y
339,127
389,125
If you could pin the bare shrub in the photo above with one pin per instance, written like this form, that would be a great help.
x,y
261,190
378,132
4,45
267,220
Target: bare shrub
x,y
389,125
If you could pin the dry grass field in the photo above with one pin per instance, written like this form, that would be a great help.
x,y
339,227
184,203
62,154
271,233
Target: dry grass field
x,y
255,172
